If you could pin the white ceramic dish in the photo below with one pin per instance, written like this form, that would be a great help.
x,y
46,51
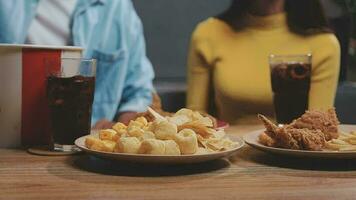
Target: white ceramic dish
x,y
161,159
252,140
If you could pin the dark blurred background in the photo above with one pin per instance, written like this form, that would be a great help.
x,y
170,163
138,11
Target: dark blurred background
x,y
168,26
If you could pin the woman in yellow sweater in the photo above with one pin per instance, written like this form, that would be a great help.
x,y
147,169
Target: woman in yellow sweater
x,y
228,60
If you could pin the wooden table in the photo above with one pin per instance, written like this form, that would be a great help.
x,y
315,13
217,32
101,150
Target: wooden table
x,y
250,174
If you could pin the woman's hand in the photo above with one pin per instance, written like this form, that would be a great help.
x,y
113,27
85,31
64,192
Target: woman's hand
x,y
103,124
125,117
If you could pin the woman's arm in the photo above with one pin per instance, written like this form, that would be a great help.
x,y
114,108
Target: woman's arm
x,y
199,69
325,72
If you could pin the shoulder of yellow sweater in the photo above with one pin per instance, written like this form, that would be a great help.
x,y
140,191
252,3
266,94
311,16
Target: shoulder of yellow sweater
x,y
210,28
325,41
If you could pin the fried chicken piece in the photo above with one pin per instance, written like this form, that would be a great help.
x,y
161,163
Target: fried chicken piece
x,y
266,140
303,139
292,138
326,122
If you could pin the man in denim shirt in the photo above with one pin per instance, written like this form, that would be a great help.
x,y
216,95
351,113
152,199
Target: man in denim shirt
x,y
109,30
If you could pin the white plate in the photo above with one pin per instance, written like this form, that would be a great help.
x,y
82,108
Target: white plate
x,y
252,139
161,159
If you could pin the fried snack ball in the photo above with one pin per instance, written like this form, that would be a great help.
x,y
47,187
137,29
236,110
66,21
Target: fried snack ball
x,y
116,137
187,141
152,146
101,145
165,130
119,126
90,140
107,134
150,126
171,147
121,130
147,135
135,131
135,124
127,145
109,145
142,120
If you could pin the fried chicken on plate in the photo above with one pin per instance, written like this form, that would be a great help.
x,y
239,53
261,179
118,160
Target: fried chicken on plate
x,y
291,138
326,122
309,132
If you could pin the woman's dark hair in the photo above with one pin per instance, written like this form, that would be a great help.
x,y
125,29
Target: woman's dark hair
x,y
304,17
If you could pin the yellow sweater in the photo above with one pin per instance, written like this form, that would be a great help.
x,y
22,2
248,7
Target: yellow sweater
x,y
236,63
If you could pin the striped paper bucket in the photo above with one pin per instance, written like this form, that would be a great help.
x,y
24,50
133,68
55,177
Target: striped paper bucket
x,y
24,116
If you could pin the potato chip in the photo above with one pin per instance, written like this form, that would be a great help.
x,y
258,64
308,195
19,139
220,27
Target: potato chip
x,y
202,141
215,144
197,128
228,144
196,115
219,134
179,119
205,121
184,111
202,150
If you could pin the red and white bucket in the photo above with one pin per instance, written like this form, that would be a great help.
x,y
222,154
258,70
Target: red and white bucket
x,y
24,118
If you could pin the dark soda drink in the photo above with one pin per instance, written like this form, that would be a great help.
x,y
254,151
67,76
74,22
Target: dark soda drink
x,y
70,103
290,85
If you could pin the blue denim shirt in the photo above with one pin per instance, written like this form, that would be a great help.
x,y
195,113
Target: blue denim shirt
x,y
111,32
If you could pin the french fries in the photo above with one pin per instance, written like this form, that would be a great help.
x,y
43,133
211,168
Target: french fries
x,y
345,142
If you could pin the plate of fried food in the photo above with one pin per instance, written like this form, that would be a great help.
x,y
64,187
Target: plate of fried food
x,y
316,134
184,137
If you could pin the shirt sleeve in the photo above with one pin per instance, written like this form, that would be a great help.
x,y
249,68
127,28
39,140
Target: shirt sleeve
x,y
199,71
325,72
137,93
